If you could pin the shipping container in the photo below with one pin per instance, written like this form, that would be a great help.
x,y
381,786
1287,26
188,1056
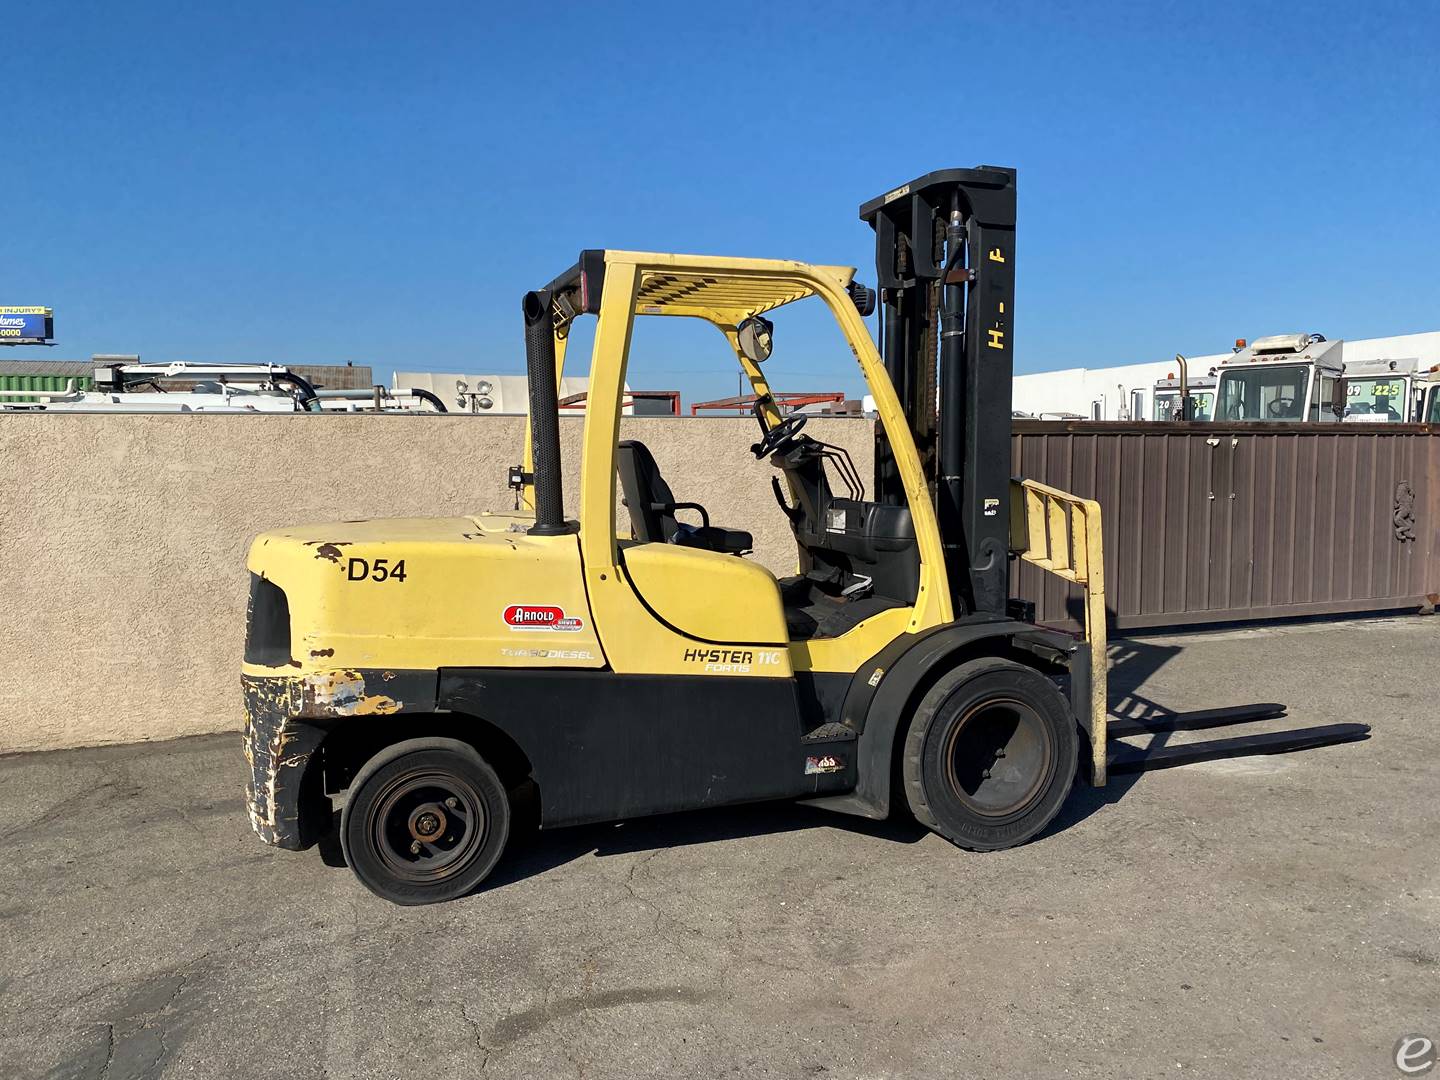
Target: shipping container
x,y
1215,522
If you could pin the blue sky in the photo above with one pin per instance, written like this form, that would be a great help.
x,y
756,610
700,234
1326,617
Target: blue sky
x,y
376,183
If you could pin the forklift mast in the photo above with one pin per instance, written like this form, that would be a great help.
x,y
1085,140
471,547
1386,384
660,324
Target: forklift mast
x,y
945,257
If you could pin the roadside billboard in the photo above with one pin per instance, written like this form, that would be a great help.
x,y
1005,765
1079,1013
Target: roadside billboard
x,y
26,325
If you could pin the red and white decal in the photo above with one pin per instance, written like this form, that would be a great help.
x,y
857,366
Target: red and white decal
x,y
540,617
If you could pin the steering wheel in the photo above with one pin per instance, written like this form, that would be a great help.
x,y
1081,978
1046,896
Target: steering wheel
x,y
779,436
1280,407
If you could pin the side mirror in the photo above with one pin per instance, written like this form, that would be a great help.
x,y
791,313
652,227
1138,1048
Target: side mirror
x,y
1339,392
756,336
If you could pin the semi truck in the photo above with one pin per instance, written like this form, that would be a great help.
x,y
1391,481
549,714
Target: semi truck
x,y
1383,392
1166,401
1287,378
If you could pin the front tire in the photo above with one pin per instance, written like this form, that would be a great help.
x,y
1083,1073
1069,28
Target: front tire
x,y
990,755
426,821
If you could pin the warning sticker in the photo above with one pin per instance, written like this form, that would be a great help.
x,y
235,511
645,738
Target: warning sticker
x,y
827,764
540,617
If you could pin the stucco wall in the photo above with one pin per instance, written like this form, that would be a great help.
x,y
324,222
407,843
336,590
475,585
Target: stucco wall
x,y
123,539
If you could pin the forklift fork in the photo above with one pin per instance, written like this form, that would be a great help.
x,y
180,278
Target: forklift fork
x,y
1061,534
1134,759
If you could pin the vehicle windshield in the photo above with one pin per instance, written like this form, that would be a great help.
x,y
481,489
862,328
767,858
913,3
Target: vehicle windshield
x,y
1263,392
1432,410
1380,400
1167,404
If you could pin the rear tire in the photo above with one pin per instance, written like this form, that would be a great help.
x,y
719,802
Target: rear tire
x,y
990,755
426,821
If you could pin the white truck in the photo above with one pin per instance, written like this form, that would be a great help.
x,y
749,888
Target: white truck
x,y
122,384
1427,396
1288,378
1165,401
1383,392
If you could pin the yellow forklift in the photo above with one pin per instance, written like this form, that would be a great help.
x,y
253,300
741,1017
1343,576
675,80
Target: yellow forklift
x,y
439,673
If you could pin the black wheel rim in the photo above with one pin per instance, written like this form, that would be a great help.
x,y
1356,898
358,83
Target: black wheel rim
x,y
998,757
426,825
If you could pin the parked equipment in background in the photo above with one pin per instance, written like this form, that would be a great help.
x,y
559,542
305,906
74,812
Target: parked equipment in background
x,y
1168,400
1288,378
379,399
447,674
1427,396
1382,392
122,384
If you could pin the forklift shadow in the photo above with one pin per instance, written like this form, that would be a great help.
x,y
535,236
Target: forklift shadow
x,y
1132,664
1133,714
534,852
539,851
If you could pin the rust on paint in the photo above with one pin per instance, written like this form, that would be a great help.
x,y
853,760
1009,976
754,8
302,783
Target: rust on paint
x,y
281,737
342,693
328,549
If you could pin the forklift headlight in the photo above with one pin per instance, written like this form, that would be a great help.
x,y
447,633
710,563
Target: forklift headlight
x,y
864,298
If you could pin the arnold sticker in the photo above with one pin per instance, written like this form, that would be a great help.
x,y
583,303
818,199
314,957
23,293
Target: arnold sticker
x,y
540,617
827,764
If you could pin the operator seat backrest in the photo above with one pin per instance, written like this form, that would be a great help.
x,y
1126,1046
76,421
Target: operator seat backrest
x,y
643,486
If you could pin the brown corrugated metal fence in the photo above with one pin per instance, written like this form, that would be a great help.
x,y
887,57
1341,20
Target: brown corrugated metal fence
x,y
1218,522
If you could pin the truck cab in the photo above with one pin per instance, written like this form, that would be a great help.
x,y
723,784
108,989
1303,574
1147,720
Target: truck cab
x,y
1287,378
1166,399
1427,396
1381,391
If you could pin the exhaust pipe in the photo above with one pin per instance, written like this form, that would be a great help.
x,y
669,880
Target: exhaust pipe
x,y
1187,410
544,415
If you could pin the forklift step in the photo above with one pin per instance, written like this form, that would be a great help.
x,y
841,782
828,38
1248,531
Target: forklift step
x,y
1118,728
1127,759
830,733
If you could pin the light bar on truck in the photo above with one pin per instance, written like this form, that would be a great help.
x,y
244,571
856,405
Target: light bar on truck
x,y
1291,343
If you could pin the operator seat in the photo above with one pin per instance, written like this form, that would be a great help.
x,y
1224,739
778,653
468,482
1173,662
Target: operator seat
x,y
652,507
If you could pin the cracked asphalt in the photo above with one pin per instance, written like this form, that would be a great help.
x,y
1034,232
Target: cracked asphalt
x,y
1274,916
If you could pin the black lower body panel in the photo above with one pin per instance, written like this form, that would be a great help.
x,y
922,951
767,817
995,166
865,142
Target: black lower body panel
x,y
605,746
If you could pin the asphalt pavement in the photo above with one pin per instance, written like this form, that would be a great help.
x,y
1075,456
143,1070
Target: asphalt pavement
x,y
1275,916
